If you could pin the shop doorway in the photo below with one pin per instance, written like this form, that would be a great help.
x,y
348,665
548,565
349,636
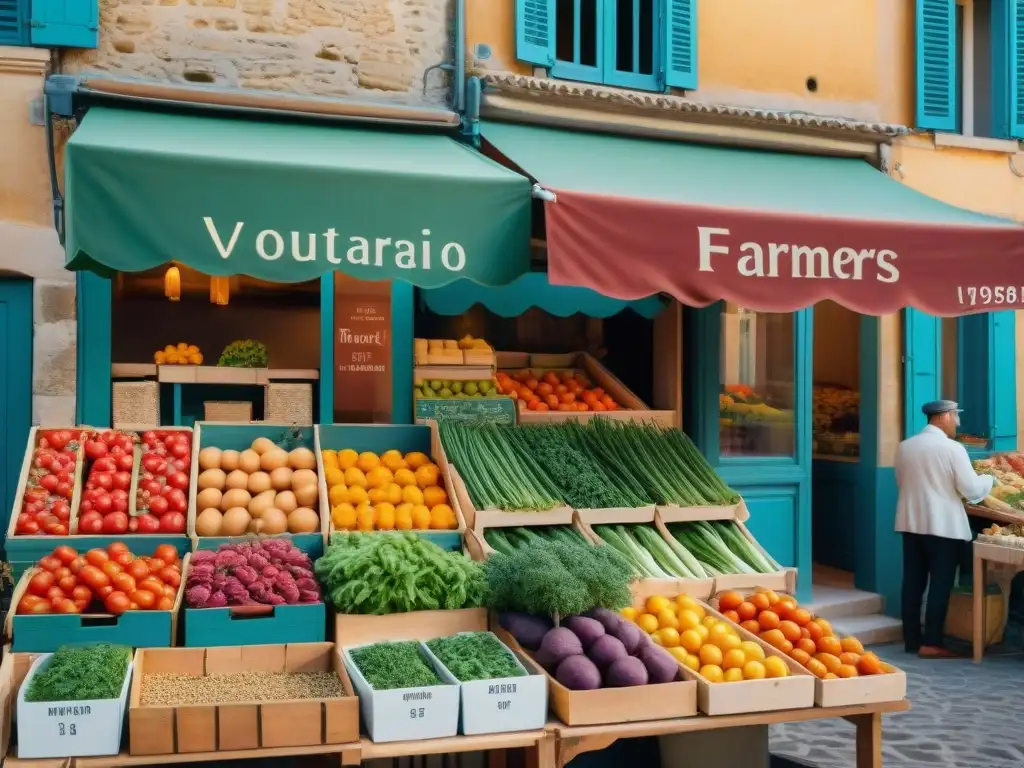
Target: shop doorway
x,y
15,384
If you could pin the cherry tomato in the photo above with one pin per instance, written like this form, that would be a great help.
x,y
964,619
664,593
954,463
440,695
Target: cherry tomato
x,y
117,603
145,600
170,575
167,553
65,554
93,577
50,563
124,582
152,584
138,569
40,583
67,584
97,557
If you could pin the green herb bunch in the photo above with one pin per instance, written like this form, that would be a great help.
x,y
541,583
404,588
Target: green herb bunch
x,y
380,573
387,666
558,578
81,674
475,656
244,354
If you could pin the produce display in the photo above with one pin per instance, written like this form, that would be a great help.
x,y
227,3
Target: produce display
x,y
509,539
445,389
397,573
244,353
390,665
836,420
180,354
555,391
739,404
111,580
82,674
1005,536
46,502
392,491
719,547
784,625
598,649
475,656
703,642
466,351
161,495
1008,470
598,464
169,690
109,458
263,489
259,572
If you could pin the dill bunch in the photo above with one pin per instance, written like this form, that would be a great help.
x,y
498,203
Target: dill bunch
x,y
81,674
475,656
390,665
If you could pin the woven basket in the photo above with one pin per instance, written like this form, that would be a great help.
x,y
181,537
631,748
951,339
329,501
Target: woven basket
x,y
228,410
288,403
135,402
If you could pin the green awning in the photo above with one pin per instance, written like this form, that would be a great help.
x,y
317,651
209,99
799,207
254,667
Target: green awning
x,y
287,202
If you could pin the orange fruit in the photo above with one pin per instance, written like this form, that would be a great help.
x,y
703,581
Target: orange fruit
x,y
775,667
427,475
853,659
826,628
710,655
869,664
847,670
813,629
774,637
830,645
790,630
433,495
729,601
768,620
800,656
786,647
851,645
816,668
832,663
746,611
732,616
831,676
754,670
691,640
773,599
752,650
807,645
751,626
733,675
785,607
647,623
800,616
760,601
734,659
712,673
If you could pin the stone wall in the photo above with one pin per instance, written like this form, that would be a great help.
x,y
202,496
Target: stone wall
x,y
378,49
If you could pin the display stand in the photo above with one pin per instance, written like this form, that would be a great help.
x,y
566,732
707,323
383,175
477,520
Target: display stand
x,y
1009,557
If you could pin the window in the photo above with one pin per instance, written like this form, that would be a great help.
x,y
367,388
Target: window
x,y
970,74
757,375
964,375
50,23
642,44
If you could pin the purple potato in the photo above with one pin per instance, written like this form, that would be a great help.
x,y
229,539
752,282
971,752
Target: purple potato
x,y
606,650
558,644
587,630
528,630
625,672
631,635
609,619
578,673
660,664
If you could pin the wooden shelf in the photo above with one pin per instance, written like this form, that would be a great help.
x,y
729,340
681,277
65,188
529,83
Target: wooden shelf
x,y
210,375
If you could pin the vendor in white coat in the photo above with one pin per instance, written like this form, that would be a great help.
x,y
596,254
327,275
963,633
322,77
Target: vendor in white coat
x,y
935,476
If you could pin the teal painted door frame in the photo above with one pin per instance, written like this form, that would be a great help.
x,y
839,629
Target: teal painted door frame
x,y
772,479
94,299
15,385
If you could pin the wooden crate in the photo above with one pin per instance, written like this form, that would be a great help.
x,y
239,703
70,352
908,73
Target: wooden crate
x,y
227,410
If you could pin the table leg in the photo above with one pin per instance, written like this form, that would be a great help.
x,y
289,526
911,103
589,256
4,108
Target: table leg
x,y
497,758
869,740
978,608
543,755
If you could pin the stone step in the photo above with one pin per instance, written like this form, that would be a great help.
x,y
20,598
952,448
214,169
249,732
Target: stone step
x,y
833,602
870,630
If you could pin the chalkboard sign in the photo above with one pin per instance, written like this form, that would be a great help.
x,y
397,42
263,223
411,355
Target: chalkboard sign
x,y
499,410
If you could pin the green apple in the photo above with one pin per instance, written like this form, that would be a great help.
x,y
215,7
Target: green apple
x,y
436,385
485,386
471,388
428,392
456,387
445,392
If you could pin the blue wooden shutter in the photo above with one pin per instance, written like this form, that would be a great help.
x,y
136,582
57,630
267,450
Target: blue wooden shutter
x,y
535,31
12,23
680,49
65,23
922,356
1015,37
1002,377
973,391
936,67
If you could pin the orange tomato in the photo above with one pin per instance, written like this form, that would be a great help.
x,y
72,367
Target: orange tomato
x,y
151,584
164,604
544,389
851,645
145,600
847,670
831,676
800,616
138,569
785,607
790,630
123,582
111,568
117,546
768,619
830,645
807,645
832,663
167,553
732,616
774,638
816,668
800,656
826,628
729,601
751,626
773,598
760,601
746,610
852,659
96,557
869,664
813,630
531,384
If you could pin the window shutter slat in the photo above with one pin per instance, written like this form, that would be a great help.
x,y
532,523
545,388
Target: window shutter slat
x,y
1002,379
1015,22
922,354
680,48
12,25
936,68
535,32
65,23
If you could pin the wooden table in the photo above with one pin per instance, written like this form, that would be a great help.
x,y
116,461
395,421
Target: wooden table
x,y
983,555
573,741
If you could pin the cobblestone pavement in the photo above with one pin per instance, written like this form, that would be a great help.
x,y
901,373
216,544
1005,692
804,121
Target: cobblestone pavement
x,y
962,715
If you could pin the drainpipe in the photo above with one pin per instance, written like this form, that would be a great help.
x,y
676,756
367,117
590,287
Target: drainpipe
x,y
58,98
460,56
471,119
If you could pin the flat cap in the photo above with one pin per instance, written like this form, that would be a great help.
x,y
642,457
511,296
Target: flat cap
x,y
935,407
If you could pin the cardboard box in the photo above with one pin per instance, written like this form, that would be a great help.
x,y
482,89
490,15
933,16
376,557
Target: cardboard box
x,y
603,706
164,730
500,705
406,714
45,633
69,728
379,438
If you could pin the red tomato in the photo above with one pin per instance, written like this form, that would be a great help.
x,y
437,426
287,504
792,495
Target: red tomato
x,y
33,604
169,591
61,510
95,449
138,569
93,578
111,568
56,528
167,553
170,575
97,557
117,546
122,480
149,523
102,592
61,572
115,523
178,480
152,584
164,604
27,528
64,605
106,464
81,605
54,593
49,482
40,583
172,522
68,583
158,505
117,603
124,582
122,558
125,462
90,524
77,564
176,500
145,600
80,593
103,503
50,563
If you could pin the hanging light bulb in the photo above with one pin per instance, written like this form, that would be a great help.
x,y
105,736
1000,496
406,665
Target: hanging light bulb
x,y
172,284
220,291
